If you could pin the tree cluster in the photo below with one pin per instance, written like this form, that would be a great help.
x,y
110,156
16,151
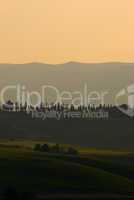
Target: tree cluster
x,y
55,149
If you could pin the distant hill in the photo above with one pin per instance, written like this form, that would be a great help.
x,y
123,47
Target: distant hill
x,y
111,77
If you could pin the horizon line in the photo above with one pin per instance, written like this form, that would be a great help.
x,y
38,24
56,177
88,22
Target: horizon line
x,y
68,62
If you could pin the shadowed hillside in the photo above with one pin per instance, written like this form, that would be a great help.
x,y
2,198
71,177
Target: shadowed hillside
x,y
111,133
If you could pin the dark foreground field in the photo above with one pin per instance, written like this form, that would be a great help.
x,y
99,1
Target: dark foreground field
x,y
111,133
91,175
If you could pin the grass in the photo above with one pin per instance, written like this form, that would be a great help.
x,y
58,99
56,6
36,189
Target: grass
x,y
39,172
29,144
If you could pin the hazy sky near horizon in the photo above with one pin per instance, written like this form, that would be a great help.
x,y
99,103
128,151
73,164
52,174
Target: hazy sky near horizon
x,y
56,31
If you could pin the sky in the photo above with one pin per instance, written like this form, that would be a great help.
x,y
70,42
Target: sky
x,y
58,31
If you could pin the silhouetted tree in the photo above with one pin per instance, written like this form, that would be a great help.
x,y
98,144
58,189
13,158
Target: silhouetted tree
x,y
45,148
37,147
72,151
56,148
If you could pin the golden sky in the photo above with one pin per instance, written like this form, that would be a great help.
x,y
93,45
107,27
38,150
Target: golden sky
x,y
57,31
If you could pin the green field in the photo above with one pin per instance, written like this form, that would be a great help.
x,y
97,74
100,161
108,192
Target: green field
x,y
46,173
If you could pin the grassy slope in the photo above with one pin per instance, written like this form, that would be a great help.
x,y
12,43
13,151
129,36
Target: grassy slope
x,y
39,172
